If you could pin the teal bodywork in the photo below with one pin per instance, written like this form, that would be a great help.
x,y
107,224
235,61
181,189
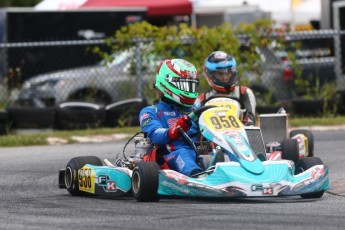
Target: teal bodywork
x,y
110,181
232,180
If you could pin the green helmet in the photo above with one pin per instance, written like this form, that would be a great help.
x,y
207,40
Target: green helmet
x,y
178,81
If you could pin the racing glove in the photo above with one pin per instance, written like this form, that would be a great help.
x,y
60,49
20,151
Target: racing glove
x,y
184,123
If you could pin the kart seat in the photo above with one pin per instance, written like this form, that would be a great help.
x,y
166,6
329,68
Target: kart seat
x,y
157,155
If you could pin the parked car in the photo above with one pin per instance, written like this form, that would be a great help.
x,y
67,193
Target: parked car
x,y
315,58
103,83
313,72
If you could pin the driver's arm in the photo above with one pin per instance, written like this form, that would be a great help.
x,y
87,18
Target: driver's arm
x,y
249,103
150,124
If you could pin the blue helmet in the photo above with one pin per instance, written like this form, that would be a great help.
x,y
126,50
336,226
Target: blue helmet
x,y
220,71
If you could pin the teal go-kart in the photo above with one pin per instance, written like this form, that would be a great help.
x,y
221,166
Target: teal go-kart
x,y
145,176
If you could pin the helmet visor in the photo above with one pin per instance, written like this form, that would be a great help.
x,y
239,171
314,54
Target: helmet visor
x,y
222,75
187,85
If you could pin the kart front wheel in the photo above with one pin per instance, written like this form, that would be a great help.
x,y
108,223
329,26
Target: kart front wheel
x,y
290,150
145,182
71,173
310,138
304,164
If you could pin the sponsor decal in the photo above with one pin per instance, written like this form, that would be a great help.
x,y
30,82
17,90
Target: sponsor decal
x,y
144,116
220,55
317,173
147,121
160,130
111,186
102,180
219,139
191,74
256,187
180,178
175,187
169,113
260,187
185,112
267,191
107,184
173,79
221,113
180,163
232,134
172,121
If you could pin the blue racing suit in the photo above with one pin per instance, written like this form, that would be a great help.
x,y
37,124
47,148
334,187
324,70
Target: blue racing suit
x,y
155,121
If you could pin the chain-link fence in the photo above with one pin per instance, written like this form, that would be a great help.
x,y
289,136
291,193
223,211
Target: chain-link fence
x,y
43,74
311,66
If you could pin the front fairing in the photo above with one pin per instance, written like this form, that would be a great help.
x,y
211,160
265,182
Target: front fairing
x,y
232,180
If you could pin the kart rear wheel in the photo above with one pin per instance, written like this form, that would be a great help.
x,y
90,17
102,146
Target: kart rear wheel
x,y
71,173
145,182
290,150
304,164
309,136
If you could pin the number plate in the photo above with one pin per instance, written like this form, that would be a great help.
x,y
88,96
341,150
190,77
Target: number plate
x,y
86,178
221,119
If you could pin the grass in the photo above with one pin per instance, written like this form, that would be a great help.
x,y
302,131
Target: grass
x,y
316,121
16,140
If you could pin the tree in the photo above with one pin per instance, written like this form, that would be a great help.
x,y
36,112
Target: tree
x,y
19,3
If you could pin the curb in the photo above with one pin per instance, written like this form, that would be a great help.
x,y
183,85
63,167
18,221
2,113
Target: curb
x,y
337,187
321,128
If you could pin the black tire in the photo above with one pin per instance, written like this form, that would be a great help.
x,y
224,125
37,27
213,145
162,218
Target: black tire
x,y
3,122
91,95
79,115
309,135
145,182
31,117
304,164
290,150
71,173
125,111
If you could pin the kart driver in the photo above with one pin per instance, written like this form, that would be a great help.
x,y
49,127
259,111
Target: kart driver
x,y
220,71
177,85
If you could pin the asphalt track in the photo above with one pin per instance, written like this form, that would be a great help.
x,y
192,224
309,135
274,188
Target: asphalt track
x,y
30,198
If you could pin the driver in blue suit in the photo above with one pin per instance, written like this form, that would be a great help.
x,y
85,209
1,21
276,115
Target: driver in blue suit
x,y
177,84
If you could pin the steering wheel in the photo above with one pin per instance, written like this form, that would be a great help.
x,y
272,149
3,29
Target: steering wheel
x,y
196,113
194,116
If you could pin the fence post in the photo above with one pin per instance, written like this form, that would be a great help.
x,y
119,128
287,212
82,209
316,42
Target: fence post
x,y
138,68
338,60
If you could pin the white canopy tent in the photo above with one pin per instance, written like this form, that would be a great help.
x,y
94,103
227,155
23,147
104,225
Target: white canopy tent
x,y
280,10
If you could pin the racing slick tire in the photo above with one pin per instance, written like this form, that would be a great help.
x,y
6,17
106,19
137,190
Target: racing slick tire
x,y
304,164
290,150
71,173
309,136
145,182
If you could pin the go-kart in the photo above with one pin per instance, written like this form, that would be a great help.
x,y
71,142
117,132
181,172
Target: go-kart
x,y
147,177
271,134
